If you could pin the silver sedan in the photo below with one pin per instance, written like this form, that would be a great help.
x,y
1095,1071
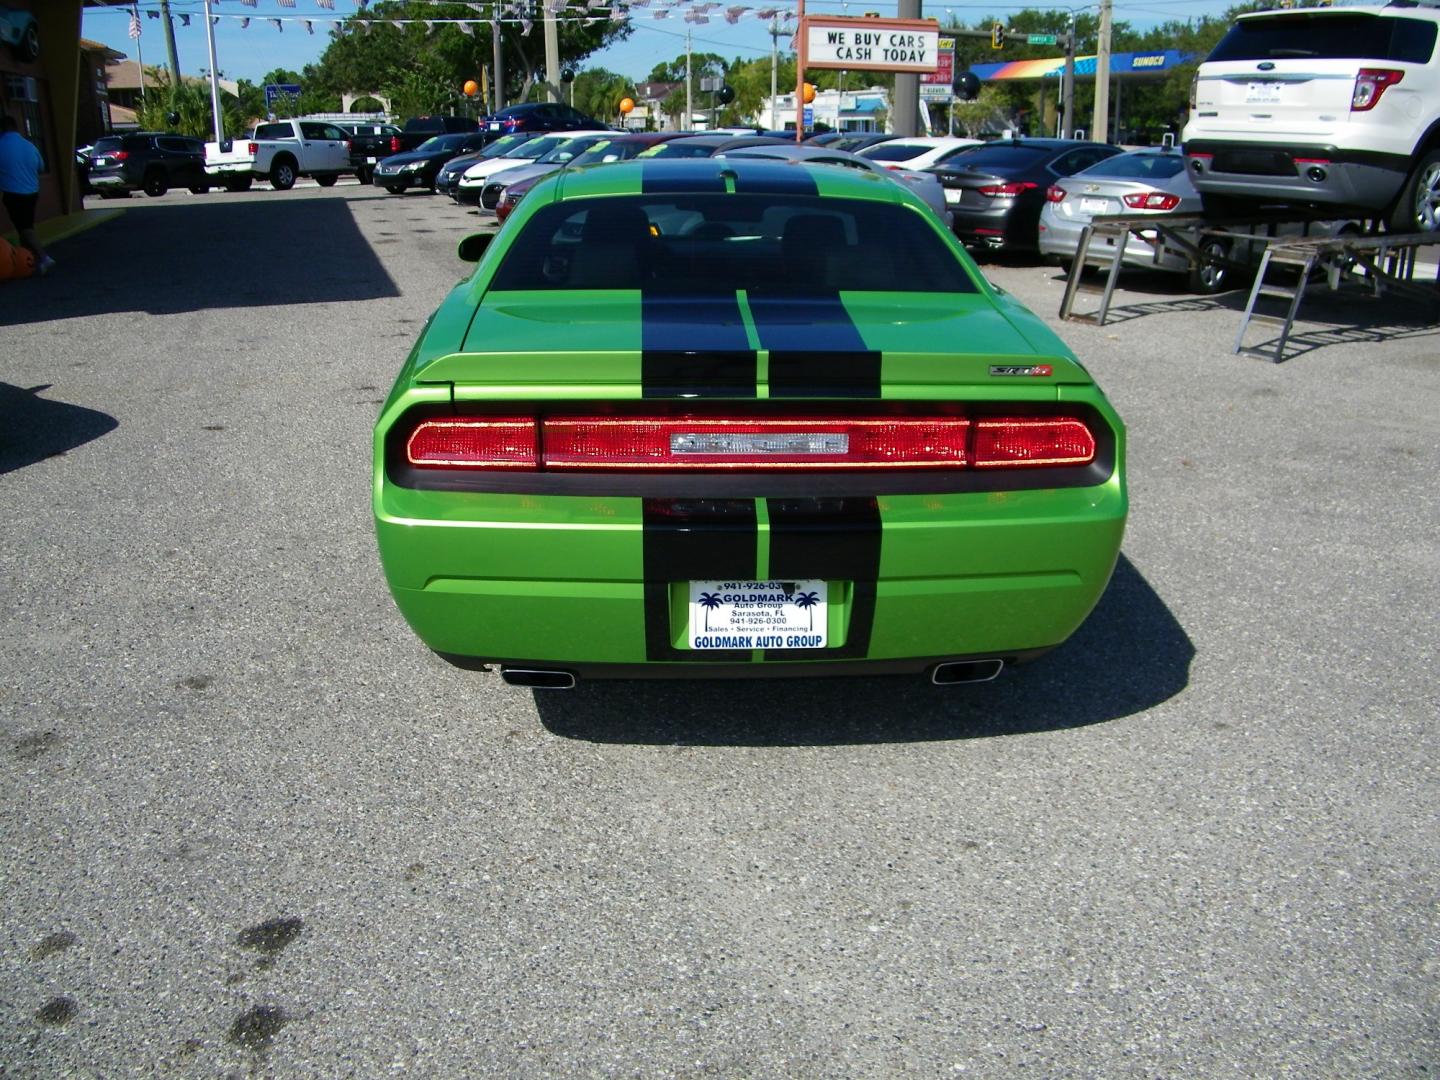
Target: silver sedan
x,y
925,185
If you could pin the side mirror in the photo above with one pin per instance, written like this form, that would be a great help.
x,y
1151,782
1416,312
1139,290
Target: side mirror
x,y
472,247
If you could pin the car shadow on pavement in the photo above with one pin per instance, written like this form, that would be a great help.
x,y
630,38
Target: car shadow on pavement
x,y
33,428
1130,655
215,252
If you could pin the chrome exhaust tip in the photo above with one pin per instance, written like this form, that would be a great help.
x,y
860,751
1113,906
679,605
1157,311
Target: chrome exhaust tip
x,y
966,671
538,679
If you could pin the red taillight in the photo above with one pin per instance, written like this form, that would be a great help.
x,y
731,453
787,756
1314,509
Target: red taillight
x,y
394,144
1055,193
1152,200
1370,84
730,443
1312,161
748,444
1007,190
1030,442
490,442
349,146
254,149
118,155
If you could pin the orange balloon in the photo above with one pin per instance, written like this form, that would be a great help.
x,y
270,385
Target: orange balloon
x,y
627,105
471,88
809,94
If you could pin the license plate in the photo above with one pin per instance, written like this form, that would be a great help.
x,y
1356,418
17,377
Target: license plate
x,y
493,126
1262,93
952,195
758,614
1094,206
370,161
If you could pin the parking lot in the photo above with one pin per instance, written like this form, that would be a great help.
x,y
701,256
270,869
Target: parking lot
x,y
252,826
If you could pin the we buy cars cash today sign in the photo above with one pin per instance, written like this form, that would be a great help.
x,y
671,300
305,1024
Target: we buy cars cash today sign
x,y
861,44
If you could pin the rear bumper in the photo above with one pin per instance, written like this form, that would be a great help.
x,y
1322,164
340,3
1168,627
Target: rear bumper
x,y
1296,174
1009,225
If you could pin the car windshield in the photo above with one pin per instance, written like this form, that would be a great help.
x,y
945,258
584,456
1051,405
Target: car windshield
x,y
1329,37
567,151
503,145
715,244
606,150
536,147
1138,166
677,149
442,142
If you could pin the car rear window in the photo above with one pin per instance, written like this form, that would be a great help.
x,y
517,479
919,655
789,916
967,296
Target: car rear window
x,y
716,244
678,150
1003,157
274,131
1307,36
1138,166
896,151
103,146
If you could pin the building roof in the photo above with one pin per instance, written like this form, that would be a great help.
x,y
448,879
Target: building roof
x,y
86,45
125,75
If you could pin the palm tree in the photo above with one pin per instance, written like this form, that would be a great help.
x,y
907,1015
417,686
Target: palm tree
x,y
709,601
805,601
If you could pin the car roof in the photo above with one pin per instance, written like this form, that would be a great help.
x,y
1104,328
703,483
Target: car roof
x,y
705,175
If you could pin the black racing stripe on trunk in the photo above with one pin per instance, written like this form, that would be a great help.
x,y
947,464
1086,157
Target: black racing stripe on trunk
x,y
660,176
777,179
815,348
693,540
834,540
694,346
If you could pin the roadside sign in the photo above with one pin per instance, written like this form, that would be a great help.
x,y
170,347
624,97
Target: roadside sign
x,y
809,117
840,43
1041,39
274,91
936,85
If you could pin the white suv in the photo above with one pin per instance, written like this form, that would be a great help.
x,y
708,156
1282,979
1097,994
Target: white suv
x,y
1322,107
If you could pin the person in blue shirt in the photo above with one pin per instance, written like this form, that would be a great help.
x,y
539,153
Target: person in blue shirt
x,y
20,165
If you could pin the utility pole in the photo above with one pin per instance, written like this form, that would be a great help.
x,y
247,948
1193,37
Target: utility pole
x,y
219,117
552,54
774,66
1099,127
689,102
1067,84
905,109
498,60
170,44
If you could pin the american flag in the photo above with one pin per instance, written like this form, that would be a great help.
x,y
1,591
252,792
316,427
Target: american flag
x,y
134,24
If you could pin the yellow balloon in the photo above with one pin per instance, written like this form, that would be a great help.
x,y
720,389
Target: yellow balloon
x,y
471,88
627,105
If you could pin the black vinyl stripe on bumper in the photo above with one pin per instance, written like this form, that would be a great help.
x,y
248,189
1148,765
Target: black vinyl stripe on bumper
x,y
693,540
833,540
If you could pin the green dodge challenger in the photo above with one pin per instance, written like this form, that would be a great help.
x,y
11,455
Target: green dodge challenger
x,y
740,418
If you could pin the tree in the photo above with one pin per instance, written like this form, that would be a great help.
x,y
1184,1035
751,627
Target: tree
x,y
190,102
598,92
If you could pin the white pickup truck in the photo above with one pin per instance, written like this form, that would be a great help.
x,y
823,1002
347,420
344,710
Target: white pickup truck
x,y
280,152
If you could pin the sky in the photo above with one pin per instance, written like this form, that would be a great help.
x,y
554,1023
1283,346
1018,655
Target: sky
x,y
250,53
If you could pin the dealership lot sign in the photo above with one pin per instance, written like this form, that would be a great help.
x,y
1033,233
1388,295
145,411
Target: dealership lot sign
x,y
861,44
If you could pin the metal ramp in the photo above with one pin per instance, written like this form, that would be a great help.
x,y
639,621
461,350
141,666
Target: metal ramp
x,y
1116,230
1379,263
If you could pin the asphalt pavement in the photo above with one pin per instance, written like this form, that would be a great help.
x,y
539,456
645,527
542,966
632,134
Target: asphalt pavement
x,y
252,827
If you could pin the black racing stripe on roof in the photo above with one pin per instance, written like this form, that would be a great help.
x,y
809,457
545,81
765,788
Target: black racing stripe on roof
x,y
836,540
694,347
778,178
666,176
693,540
815,348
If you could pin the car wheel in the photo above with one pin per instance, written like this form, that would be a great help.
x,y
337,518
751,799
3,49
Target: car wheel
x,y
233,186
395,189
327,180
1418,207
199,189
282,176
156,185
363,175
1212,275
29,44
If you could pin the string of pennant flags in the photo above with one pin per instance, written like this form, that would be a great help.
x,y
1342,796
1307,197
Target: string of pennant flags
x,y
509,12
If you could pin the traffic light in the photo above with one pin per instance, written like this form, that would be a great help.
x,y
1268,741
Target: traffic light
x,y
966,86
997,36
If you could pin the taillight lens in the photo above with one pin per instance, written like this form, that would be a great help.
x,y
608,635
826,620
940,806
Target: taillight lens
x,y
1031,442
491,442
254,149
1152,200
725,443
394,144
349,146
748,444
1194,91
1370,84
118,155
1055,193
1007,190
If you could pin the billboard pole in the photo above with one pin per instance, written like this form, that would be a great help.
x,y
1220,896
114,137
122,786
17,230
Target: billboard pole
x,y
802,41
